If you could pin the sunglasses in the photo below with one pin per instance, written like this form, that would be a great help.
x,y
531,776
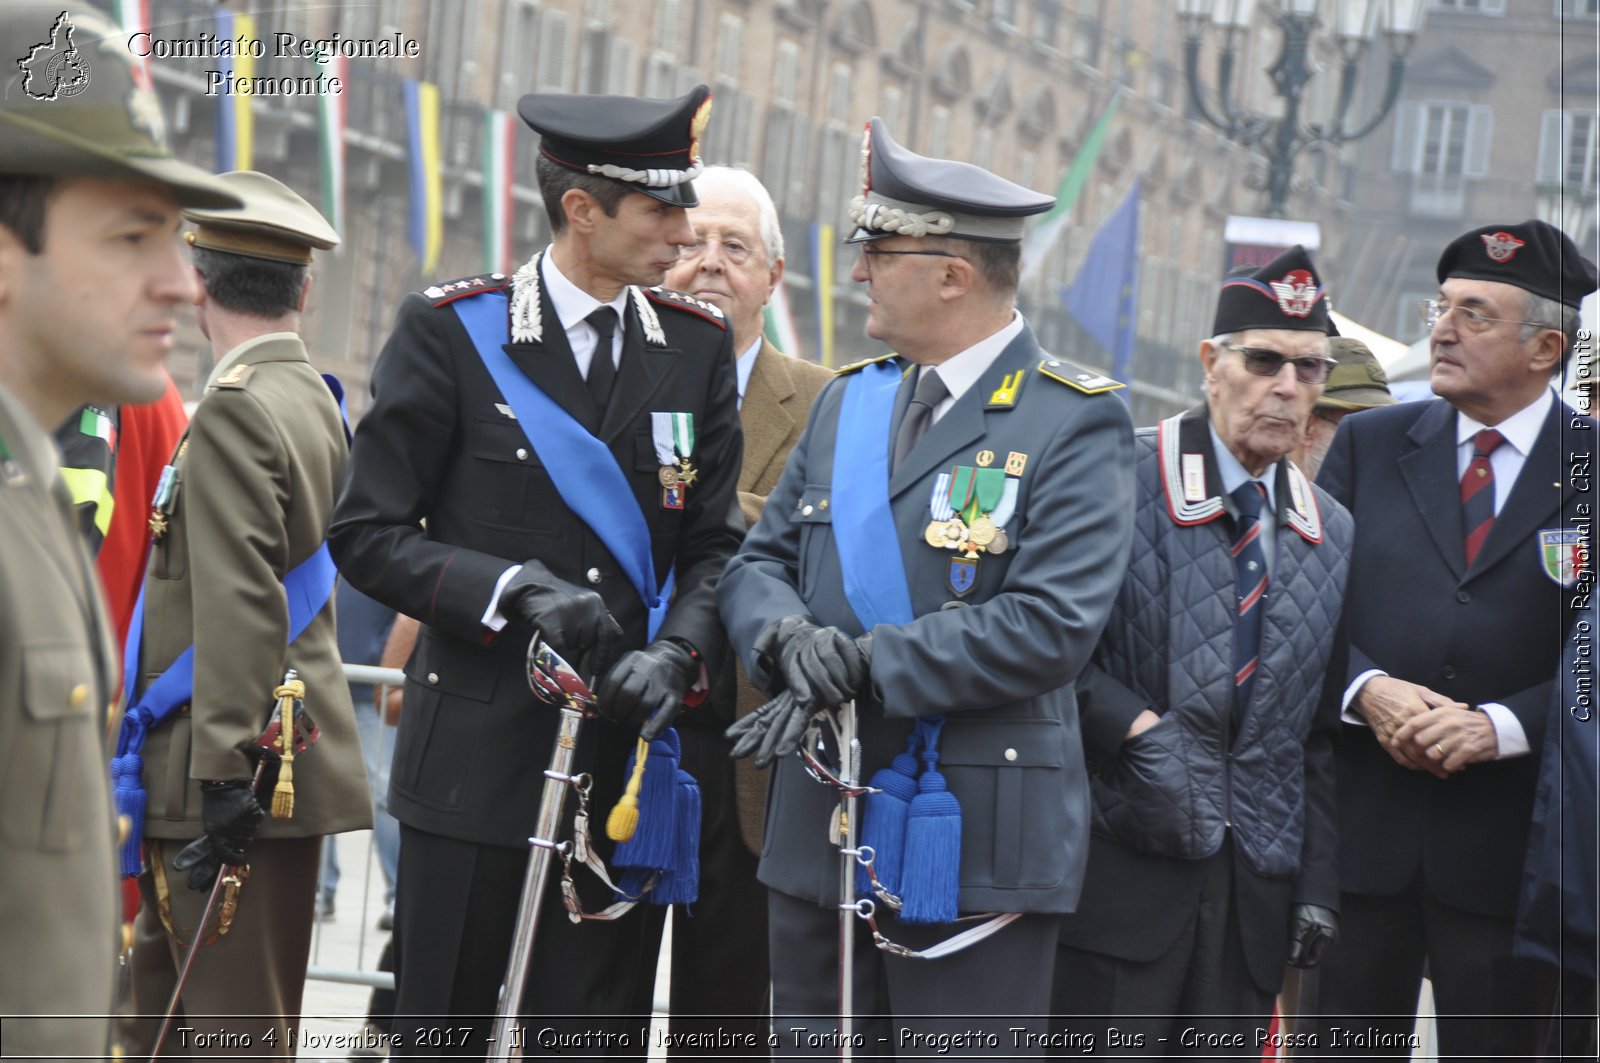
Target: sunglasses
x,y
1264,361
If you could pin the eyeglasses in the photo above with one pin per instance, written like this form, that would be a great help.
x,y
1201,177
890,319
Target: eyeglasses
x,y
1431,310
868,253
1264,361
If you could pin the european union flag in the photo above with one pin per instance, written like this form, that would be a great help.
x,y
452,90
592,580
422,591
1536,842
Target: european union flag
x,y
1105,297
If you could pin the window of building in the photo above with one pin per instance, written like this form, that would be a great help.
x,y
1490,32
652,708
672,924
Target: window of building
x,y
983,146
1567,147
938,131
518,37
730,48
1443,144
1028,169
1086,42
1005,12
1577,8
555,36
786,72
1047,23
893,109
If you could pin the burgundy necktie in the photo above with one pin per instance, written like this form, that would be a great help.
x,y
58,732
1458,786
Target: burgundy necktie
x,y
1477,492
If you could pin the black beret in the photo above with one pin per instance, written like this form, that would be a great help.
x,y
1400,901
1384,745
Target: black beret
x,y
653,146
1286,293
1533,255
907,194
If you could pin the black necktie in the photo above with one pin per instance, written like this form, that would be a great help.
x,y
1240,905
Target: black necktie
x,y
1250,564
919,415
602,370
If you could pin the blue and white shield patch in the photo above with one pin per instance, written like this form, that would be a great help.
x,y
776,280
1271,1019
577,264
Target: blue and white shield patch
x,y
963,575
1563,555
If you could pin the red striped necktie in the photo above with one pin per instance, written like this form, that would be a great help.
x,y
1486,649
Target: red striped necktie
x,y
1477,492
1250,566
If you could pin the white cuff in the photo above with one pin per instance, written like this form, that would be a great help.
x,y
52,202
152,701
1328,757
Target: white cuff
x,y
493,618
1507,731
1346,713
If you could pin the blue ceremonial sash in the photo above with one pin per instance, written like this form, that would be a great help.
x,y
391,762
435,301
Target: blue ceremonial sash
x,y
863,524
307,588
583,469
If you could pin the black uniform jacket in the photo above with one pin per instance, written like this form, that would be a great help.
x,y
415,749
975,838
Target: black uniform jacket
x,y
446,493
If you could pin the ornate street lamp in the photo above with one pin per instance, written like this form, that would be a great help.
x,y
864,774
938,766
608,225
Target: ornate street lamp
x,y
1281,139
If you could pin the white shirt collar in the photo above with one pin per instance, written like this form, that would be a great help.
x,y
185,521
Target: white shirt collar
x,y
1521,429
964,370
745,364
1233,473
573,304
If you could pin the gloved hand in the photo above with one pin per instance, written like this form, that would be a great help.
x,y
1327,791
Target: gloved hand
x,y
772,731
652,680
230,815
1312,928
572,620
821,666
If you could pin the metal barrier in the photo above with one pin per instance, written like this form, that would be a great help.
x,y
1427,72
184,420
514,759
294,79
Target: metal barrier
x,y
335,958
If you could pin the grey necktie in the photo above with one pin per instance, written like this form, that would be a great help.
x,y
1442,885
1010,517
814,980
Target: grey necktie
x,y
602,370
919,415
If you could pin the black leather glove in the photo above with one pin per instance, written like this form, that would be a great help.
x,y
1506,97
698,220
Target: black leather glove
x,y
772,731
572,620
1312,928
652,680
821,666
230,815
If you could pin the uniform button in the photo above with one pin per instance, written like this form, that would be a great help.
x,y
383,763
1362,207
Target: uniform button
x,y
593,575
522,453
433,677
807,511
823,504
79,695
1463,597
1011,754
1449,671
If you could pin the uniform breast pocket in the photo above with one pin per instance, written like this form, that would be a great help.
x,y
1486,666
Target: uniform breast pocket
x,y
1008,776
517,492
813,511
52,792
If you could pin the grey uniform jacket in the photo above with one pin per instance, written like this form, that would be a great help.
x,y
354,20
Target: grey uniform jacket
x,y
58,916
1002,667
263,459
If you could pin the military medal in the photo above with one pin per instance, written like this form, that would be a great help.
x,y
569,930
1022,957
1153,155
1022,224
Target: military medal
x,y
1000,516
939,509
161,501
672,434
963,576
982,531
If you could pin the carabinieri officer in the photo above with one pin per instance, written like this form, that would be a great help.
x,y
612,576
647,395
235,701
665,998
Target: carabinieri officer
x,y
943,547
477,504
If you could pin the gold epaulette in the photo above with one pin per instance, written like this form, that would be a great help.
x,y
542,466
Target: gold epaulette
x,y
853,366
1075,376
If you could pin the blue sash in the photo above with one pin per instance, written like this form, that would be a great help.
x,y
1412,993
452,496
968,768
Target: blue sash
x,y
307,588
863,525
584,471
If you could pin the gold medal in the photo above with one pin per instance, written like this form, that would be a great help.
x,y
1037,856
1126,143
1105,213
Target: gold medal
x,y
158,523
687,474
668,476
999,544
933,535
955,533
982,531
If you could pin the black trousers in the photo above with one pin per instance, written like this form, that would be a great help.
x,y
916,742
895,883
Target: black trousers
x,y
1488,1002
1198,998
589,984
721,980
965,1005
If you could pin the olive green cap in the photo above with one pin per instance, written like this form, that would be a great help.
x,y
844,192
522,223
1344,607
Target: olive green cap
x,y
74,103
1357,381
273,223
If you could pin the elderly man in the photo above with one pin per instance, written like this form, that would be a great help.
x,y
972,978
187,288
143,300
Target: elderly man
x,y
1356,382
555,451
1472,529
91,279
1211,859
942,550
720,974
239,545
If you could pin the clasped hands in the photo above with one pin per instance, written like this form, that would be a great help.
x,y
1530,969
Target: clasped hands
x,y
817,669
1424,730
642,688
